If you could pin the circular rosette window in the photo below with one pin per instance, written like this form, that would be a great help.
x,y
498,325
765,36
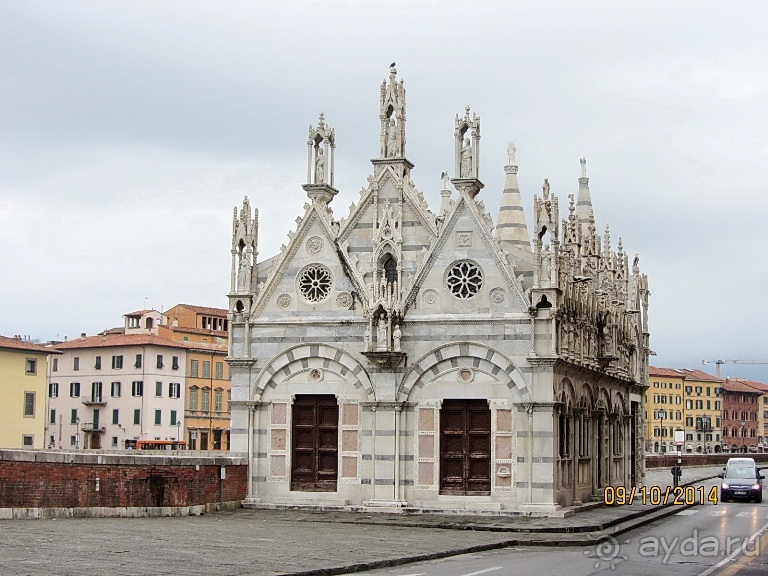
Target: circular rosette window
x,y
315,283
464,280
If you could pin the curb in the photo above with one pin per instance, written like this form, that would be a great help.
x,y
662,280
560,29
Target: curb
x,y
590,535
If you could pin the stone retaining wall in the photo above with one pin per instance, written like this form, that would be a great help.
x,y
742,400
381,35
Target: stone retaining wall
x,y
40,484
668,460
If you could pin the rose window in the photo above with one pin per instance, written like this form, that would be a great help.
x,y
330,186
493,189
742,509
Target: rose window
x,y
315,283
464,280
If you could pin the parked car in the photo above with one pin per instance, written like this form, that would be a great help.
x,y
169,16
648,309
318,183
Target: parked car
x,y
741,482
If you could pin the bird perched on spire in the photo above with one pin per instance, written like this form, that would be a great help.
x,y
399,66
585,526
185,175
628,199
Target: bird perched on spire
x,y
392,65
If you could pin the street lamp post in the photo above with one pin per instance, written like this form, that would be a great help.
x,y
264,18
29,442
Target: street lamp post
x,y
743,435
661,415
707,425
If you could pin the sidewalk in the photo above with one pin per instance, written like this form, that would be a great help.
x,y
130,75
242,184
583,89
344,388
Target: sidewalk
x,y
298,543
589,524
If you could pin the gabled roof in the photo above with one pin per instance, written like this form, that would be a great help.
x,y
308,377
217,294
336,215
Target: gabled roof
x,y
117,330
201,309
111,340
668,372
699,375
740,385
19,344
759,386
140,312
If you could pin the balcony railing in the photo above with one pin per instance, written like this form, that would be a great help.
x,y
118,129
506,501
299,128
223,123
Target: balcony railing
x,y
94,401
91,427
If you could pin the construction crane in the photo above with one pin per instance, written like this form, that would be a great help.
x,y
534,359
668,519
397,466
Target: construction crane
x,y
719,363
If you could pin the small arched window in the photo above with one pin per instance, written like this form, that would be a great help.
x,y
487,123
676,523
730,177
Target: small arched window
x,y
149,323
390,270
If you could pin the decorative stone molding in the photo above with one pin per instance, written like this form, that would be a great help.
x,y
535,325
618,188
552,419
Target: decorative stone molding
x,y
429,297
542,361
464,279
498,296
314,283
241,362
492,361
344,300
315,245
465,375
385,359
463,239
245,403
293,360
284,300
373,406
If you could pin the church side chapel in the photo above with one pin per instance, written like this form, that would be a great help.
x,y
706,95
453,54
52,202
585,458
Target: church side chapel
x,y
400,358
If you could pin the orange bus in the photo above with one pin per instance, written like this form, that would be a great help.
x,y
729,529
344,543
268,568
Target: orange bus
x,y
157,445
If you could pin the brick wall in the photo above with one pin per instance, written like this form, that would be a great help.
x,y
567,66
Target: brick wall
x,y
35,479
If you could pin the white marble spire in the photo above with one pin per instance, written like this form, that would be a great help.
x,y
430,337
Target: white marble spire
x,y
584,212
511,226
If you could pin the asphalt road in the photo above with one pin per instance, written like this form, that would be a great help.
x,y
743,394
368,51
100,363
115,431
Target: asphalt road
x,y
704,540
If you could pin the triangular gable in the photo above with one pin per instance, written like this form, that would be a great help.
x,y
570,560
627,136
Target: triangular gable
x,y
410,194
315,217
483,226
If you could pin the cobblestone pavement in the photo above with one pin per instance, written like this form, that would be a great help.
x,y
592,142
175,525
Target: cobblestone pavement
x,y
272,542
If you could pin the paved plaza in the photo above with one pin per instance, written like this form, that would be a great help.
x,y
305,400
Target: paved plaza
x,y
272,542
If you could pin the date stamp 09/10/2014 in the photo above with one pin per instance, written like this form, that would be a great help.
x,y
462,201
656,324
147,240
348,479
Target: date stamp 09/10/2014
x,y
659,495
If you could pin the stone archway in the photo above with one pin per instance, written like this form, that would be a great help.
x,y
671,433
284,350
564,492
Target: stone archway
x,y
479,357
309,399
304,357
458,392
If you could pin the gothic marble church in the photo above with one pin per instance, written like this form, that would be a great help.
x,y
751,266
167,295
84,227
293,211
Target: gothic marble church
x,y
400,357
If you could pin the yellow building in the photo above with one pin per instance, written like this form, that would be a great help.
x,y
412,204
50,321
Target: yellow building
x,y
703,412
205,330
23,370
664,408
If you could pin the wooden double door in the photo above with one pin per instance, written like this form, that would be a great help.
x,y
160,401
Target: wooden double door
x,y
315,443
465,447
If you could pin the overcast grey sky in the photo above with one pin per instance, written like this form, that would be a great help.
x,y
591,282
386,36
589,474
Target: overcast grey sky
x,y
129,131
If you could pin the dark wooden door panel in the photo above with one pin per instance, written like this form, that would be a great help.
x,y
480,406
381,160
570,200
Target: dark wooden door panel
x,y
465,447
315,442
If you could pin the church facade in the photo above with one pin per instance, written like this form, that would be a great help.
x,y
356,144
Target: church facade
x,y
398,357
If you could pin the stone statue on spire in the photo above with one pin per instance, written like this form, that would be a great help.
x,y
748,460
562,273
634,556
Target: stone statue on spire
x,y
321,151
320,167
466,160
583,167
467,146
511,151
391,138
392,115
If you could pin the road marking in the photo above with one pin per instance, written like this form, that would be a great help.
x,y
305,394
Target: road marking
x,y
483,571
735,567
716,513
742,514
687,512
